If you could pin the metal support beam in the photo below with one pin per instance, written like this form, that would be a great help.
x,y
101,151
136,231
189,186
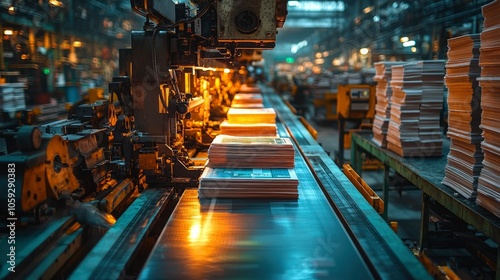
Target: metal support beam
x,y
386,191
424,222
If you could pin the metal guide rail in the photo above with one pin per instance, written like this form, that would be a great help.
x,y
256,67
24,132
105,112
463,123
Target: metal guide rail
x,y
282,239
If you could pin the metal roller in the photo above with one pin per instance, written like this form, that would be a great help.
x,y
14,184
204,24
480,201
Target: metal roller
x,y
29,138
58,168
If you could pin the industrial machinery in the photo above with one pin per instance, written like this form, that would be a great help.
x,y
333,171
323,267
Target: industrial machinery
x,y
157,117
355,102
175,84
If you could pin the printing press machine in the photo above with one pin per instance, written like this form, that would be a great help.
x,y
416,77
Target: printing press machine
x,y
111,192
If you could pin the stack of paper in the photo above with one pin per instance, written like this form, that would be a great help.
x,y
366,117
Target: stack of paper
x,y
488,187
255,129
247,100
12,97
251,116
417,93
464,115
405,102
249,89
429,131
247,115
354,78
383,74
258,152
277,183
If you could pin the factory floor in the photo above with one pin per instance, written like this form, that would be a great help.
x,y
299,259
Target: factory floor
x,y
404,199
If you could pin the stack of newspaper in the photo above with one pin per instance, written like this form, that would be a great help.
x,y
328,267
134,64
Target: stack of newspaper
x,y
247,100
383,75
417,94
429,130
245,129
258,152
406,97
488,188
248,89
274,183
251,116
249,167
247,115
464,115
250,122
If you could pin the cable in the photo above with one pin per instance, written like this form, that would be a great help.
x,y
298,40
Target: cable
x,y
156,31
197,16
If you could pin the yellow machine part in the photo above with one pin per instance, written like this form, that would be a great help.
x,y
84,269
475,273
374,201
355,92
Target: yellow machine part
x,y
364,189
34,187
344,101
59,173
438,272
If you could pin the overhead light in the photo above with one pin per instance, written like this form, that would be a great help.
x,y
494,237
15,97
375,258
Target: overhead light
x,y
364,51
8,32
12,10
296,47
316,6
404,39
318,55
413,49
409,44
376,18
227,70
77,44
326,53
56,3
367,10
319,61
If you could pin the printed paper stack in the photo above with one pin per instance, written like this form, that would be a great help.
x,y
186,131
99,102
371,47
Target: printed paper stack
x,y
464,115
247,100
12,98
383,74
429,130
416,104
276,183
488,184
255,129
251,116
258,152
248,89
402,134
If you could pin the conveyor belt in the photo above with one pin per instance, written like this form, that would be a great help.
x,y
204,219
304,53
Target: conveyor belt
x,y
377,242
248,239
243,238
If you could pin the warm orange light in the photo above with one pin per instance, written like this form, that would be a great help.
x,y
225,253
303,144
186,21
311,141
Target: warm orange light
x,y
195,232
56,3
77,44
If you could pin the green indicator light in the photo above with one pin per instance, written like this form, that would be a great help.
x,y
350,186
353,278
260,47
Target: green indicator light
x,y
46,71
290,60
